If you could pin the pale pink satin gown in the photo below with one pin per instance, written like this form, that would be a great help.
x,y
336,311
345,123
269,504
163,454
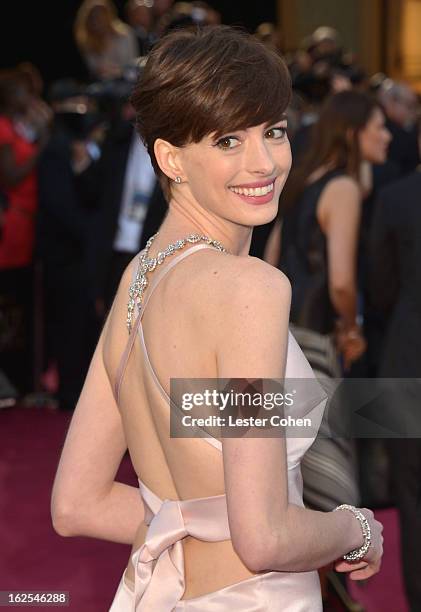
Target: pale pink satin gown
x,y
159,566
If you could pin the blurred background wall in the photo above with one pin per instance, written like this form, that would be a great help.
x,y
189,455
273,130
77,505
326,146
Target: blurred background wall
x,y
383,33
43,31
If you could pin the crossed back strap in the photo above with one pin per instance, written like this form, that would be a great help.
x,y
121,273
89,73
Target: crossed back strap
x,y
159,275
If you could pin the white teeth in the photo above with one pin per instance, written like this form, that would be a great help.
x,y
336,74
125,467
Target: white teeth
x,y
250,191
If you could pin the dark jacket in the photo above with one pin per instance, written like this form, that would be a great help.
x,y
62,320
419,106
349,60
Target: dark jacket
x,y
66,208
403,149
395,279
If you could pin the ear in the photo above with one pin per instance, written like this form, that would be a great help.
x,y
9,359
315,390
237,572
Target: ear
x,y
168,158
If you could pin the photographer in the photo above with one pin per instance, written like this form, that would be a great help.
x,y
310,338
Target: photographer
x,y
24,120
66,222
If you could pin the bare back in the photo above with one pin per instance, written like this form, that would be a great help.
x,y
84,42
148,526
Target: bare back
x,y
173,334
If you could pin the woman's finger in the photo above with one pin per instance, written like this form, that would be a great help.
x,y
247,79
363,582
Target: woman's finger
x,y
346,566
367,572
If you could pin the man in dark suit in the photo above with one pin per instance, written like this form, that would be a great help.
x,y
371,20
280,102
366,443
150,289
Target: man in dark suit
x,y
396,291
64,225
400,104
132,206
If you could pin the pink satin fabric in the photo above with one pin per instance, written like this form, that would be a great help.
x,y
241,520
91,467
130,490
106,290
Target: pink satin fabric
x,y
160,560
159,563
262,593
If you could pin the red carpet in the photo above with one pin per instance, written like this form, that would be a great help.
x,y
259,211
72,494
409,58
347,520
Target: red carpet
x,y
34,557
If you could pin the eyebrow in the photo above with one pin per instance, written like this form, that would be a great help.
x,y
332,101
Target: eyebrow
x,y
216,135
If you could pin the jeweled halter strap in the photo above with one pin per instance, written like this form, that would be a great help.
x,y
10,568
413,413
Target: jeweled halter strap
x,y
140,283
147,264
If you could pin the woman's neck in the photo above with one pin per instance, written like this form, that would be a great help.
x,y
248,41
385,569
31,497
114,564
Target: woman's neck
x,y
365,178
180,222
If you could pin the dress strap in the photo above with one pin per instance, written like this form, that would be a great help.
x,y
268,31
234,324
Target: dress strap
x,y
160,273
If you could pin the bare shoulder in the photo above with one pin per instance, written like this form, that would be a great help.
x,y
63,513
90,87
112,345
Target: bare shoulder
x,y
231,283
340,201
248,272
342,187
115,330
234,273
246,316
344,181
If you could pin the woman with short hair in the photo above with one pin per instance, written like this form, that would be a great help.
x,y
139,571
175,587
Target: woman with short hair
x,y
221,523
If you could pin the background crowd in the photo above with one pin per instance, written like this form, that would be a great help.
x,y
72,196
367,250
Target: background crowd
x,y
79,198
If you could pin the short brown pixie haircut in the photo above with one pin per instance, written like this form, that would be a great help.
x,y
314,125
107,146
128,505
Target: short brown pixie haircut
x,y
216,79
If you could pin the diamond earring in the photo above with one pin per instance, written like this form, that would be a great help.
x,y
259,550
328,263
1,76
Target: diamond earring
x,y
177,179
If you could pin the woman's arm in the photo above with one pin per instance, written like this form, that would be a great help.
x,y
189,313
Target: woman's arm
x,y
338,213
86,501
268,532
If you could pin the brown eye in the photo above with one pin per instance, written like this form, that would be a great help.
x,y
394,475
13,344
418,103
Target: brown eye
x,y
277,133
228,142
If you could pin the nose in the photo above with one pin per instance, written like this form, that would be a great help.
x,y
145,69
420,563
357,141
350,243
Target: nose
x,y
259,158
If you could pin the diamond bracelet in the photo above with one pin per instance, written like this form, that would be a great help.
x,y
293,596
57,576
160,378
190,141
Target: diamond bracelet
x,y
358,553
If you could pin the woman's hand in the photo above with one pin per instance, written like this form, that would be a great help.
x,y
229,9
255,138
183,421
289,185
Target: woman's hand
x,y
80,156
350,343
370,565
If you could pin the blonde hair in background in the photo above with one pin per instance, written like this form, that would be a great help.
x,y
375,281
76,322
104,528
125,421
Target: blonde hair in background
x,y
88,41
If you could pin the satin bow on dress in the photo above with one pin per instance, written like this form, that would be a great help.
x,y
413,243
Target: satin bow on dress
x,y
159,563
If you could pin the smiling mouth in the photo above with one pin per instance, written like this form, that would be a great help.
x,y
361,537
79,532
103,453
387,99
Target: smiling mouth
x,y
253,191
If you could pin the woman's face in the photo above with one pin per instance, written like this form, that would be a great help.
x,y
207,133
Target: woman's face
x,y
240,175
374,138
97,21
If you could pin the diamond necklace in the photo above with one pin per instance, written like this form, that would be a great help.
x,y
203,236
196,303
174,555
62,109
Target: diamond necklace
x,y
147,264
